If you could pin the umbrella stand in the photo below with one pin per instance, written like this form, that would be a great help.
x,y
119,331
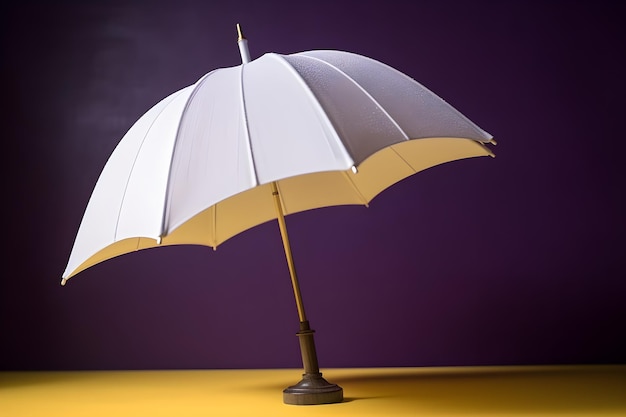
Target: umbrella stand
x,y
313,388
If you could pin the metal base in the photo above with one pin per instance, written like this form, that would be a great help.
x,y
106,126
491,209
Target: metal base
x,y
312,390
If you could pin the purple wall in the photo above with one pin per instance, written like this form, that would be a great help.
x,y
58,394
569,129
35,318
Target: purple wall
x,y
512,260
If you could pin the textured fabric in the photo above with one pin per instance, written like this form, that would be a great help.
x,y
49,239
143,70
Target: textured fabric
x,y
196,168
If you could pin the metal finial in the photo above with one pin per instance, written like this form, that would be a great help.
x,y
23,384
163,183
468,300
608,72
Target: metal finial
x,y
239,33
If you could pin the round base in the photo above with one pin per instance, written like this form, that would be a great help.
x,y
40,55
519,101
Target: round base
x,y
312,390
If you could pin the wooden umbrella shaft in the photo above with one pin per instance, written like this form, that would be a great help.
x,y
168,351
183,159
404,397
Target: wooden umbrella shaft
x,y
292,269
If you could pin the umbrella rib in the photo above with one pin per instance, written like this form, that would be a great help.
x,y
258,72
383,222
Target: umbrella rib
x,y
355,188
321,112
486,148
143,140
214,219
244,117
168,200
360,87
476,128
403,159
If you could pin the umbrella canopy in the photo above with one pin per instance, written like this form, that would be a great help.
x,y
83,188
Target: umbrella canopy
x,y
323,127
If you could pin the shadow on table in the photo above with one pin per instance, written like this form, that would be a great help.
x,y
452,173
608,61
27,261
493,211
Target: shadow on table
x,y
497,390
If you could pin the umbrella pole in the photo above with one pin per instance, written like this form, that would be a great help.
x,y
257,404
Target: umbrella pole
x,y
313,388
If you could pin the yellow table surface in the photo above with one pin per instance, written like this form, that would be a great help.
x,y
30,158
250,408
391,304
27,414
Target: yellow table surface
x,y
587,390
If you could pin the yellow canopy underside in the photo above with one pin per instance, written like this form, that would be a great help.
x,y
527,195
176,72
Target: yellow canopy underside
x,y
240,212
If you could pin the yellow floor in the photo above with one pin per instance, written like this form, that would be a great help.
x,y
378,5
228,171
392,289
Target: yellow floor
x,y
456,391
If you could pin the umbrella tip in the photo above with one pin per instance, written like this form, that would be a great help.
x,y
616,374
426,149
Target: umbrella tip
x,y
63,281
239,33
243,46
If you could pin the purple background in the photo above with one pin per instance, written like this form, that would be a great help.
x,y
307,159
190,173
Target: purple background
x,y
512,260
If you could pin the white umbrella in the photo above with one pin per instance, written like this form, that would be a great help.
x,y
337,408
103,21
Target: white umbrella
x,y
256,142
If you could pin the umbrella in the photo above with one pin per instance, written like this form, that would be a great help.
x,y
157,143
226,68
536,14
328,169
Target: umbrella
x,y
259,141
